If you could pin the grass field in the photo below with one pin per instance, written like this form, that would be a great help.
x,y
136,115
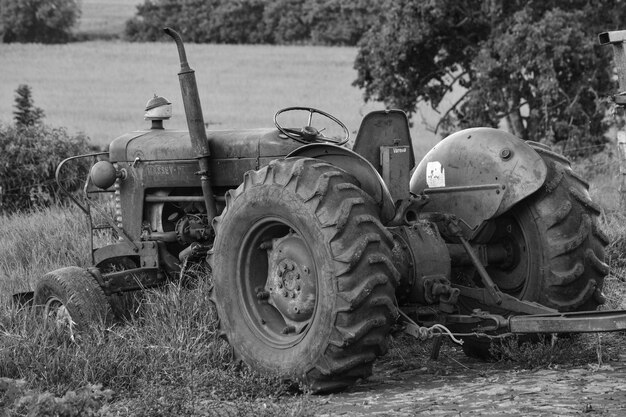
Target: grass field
x,y
101,88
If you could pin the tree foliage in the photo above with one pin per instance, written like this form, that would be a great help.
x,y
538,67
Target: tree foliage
x,y
328,22
29,154
45,21
535,65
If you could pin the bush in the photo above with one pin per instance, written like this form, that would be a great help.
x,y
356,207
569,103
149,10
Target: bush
x,y
45,21
29,156
329,22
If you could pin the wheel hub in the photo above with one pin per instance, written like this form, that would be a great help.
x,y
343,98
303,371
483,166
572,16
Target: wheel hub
x,y
290,287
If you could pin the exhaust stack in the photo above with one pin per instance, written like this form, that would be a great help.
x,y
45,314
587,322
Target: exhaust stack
x,y
195,122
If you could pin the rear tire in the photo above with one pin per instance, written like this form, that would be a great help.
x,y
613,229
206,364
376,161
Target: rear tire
x,y
71,297
304,285
560,252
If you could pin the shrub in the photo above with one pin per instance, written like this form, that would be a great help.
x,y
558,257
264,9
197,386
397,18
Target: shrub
x,y
45,21
29,156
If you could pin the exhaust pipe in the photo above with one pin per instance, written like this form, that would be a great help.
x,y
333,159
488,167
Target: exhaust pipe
x,y
195,123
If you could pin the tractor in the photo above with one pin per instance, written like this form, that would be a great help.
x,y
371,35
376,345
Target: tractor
x,y
317,251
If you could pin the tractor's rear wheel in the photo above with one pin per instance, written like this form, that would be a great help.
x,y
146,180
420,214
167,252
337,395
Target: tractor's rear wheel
x,y
556,244
71,297
303,282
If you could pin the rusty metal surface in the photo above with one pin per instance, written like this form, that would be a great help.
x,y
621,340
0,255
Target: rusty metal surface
x,y
478,174
419,252
396,170
383,128
163,145
578,322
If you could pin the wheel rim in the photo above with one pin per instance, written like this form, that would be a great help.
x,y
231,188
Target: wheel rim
x,y
513,275
277,281
56,311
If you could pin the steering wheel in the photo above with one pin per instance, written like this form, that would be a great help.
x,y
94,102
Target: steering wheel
x,y
308,133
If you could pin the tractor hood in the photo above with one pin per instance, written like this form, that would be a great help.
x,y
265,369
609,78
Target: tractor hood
x,y
163,145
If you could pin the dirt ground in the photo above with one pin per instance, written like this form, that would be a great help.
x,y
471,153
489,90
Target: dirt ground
x,y
463,387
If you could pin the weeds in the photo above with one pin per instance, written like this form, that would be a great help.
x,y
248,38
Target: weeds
x,y
167,360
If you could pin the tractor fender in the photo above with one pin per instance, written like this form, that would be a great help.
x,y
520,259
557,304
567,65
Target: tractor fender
x,y
353,163
477,174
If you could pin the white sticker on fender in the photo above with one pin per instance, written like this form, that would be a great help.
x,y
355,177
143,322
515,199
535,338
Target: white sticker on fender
x,y
435,175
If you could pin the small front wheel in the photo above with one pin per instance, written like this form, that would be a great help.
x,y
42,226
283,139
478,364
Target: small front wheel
x,y
71,297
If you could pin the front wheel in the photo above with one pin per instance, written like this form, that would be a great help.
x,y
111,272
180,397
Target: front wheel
x,y
71,297
304,285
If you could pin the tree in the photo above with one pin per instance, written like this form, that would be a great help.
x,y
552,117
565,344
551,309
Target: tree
x,y
340,22
329,22
45,21
535,65
26,114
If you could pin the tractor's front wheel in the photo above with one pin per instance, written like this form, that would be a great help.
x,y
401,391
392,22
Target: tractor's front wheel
x,y
303,282
71,297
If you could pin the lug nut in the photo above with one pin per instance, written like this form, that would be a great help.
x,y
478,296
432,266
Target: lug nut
x,y
279,285
285,293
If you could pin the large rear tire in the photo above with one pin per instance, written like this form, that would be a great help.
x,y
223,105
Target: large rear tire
x,y
303,282
557,244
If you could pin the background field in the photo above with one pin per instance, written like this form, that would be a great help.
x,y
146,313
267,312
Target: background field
x,y
101,87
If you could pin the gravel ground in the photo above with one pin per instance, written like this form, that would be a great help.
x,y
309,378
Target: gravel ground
x,y
464,387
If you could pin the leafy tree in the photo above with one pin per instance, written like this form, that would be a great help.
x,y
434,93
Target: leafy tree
x,y
45,21
26,114
535,65
29,156
285,21
340,22
239,22
331,22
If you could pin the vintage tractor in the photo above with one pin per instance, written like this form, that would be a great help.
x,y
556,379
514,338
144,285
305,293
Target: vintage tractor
x,y
316,250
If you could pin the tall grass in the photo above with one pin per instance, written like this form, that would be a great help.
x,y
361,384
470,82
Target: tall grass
x,y
169,359
34,243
